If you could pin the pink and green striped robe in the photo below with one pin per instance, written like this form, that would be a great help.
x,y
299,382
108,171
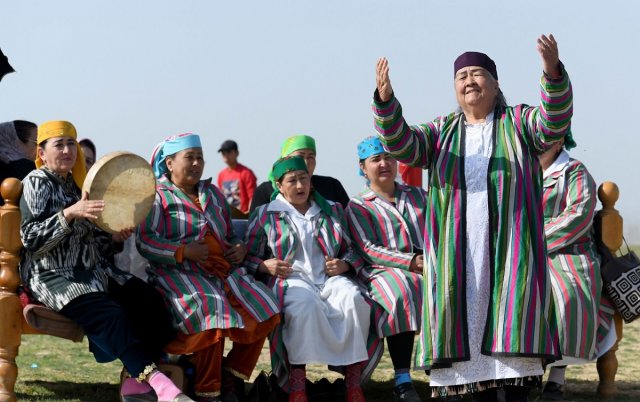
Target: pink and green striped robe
x,y
271,234
569,207
388,237
196,298
521,318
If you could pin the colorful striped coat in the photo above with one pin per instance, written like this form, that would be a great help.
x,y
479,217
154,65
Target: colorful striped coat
x,y
388,237
197,298
520,319
271,234
569,207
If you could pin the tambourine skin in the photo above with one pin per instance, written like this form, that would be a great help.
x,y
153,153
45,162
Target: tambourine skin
x,y
126,183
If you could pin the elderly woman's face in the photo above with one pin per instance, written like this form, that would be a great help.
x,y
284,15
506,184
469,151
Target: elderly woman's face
x,y
475,87
380,169
186,166
295,187
59,154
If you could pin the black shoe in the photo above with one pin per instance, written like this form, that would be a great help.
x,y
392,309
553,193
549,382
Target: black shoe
x,y
405,392
553,391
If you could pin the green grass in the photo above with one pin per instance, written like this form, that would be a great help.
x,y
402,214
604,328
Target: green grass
x,y
53,369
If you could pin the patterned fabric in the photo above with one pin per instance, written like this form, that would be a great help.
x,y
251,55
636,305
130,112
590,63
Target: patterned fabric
x,y
520,319
170,146
272,235
388,237
197,297
61,260
569,202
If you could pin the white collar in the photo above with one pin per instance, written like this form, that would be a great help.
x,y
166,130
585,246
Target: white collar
x,y
558,165
280,204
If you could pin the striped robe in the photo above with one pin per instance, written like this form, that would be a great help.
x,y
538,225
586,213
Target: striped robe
x,y
388,236
271,234
520,319
569,207
61,260
196,297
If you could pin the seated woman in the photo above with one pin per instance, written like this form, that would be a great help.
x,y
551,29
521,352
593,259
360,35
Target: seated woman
x,y
189,240
386,222
586,328
299,239
17,149
66,265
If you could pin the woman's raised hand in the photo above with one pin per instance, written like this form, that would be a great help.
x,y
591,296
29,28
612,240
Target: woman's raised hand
x,y
382,79
84,208
275,267
548,49
335,266
197,251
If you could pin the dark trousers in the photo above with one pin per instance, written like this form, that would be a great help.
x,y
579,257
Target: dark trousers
x,y
130,322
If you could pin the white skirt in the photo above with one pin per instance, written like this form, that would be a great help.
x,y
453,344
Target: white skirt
x,y
325,324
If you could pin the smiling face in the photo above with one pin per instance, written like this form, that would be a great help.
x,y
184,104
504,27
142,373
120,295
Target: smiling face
x,y
59,154
185,167
476,88
381,170
295,187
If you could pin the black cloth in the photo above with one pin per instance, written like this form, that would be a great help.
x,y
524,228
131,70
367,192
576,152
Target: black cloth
x,y
328,187
400,349
19,169
130,323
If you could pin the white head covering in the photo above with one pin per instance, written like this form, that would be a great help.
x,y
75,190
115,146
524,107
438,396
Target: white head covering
x,y
10,150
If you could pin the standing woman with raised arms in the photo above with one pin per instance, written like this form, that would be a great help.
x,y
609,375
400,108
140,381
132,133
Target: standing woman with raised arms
x,y
488,317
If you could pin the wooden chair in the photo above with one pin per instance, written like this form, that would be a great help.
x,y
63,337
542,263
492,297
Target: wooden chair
x,y
15,320
610,227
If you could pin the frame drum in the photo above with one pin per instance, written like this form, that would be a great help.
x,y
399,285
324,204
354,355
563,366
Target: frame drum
x,y
126,183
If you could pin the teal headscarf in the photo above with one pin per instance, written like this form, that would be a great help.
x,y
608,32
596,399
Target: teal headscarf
x,y
370,146
170,146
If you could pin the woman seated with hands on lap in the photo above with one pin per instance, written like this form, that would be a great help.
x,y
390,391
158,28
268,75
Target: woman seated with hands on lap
x,y
300,241
67,265
195,259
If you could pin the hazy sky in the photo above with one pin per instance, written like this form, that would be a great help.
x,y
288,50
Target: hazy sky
x,y
129,73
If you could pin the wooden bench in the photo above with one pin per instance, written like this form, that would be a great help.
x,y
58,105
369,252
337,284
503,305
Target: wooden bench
x,y
13,323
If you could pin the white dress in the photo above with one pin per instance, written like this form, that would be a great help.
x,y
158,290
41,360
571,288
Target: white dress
x,y
477,152
326,319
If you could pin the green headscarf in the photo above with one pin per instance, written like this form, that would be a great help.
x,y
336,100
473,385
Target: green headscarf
x,y
295,143
290,164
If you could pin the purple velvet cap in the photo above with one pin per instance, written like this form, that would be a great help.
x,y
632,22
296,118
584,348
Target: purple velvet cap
x,y
475,59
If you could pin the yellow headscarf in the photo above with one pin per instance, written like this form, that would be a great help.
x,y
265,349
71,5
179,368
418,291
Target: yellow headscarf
x,y
56,129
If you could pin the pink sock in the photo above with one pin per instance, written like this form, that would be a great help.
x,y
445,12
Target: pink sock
x,y
165,389
132,387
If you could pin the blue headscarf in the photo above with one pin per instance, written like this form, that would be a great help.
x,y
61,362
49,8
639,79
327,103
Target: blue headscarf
x,y
170,146
370,146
